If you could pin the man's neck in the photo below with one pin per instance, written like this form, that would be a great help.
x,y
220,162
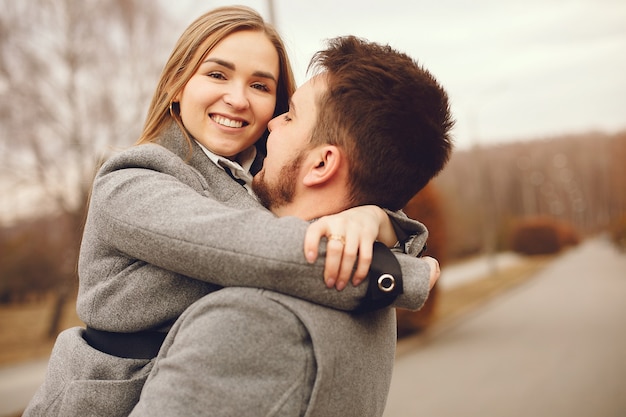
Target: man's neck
x,y
311,207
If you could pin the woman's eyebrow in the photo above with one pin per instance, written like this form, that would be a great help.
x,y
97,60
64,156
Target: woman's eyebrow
x,y
232,67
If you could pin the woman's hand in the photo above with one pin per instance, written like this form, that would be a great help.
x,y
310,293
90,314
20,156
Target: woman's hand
x,y
350,234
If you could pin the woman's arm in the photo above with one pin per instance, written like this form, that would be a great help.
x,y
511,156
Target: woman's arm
x,y
350,237
359,228
153,216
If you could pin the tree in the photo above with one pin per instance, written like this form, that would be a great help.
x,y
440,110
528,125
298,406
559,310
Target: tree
x,y
427,207
577,179
75,80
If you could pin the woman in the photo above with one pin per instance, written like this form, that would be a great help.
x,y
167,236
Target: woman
x,y
167,224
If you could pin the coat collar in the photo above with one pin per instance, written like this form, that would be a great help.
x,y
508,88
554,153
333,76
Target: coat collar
x,y
219,183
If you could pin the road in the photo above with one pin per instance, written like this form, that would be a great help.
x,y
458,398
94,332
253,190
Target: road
x,y
555,346
18,384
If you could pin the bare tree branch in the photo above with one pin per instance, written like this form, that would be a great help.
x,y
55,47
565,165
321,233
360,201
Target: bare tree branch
x,y
75,80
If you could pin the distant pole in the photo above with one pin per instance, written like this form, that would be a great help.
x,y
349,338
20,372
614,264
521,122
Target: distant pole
x,y
489,216
270,10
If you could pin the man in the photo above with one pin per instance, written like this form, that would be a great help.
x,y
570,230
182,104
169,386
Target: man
x,y
370,128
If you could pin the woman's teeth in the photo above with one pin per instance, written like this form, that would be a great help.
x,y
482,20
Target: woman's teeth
x,y
221,120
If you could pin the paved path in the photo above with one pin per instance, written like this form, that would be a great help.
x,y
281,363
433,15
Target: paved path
x,y
479,267
555,346
18,383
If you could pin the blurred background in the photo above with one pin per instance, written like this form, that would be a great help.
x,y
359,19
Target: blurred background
x,y
537,88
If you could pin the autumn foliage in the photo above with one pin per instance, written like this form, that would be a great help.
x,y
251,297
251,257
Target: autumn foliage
x,y
38,257
425,207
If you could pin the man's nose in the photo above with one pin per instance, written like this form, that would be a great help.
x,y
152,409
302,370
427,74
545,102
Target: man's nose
x,y
272,122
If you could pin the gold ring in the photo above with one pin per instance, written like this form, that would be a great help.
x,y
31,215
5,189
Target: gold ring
x,y
337,237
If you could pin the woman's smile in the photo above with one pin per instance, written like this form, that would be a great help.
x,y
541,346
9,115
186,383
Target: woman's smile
x,y
228,121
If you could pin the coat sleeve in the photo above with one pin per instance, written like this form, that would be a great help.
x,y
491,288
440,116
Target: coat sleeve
x,y
152,209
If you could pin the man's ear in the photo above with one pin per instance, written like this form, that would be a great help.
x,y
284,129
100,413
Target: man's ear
x,y
325,165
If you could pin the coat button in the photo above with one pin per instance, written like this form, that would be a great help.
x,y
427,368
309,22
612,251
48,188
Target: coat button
x,y
386,283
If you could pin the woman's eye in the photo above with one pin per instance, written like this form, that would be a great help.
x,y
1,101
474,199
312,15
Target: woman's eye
x,y
216,75
261,86
286,118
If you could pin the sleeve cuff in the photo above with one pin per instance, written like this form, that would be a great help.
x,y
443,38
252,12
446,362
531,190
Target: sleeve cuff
x,y
385,282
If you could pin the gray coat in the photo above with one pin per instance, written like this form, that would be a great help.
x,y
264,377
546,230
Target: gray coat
x,y
250,352
165,227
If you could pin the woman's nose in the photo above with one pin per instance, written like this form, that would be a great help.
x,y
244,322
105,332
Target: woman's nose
x,y
236,98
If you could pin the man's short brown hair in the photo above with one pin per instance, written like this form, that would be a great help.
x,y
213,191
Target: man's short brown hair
x,y
390,116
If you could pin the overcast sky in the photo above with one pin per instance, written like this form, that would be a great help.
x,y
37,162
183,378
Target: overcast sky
x,y
514,69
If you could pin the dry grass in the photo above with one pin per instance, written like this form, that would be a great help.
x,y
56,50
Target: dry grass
x,y
24,327
455,302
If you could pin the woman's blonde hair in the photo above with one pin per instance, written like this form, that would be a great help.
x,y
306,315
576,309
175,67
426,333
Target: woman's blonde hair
x,y
205,32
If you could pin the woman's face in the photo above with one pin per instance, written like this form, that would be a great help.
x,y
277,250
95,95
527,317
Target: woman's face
x,y
228,102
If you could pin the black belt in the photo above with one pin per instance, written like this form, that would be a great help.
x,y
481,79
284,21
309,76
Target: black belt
x,y
138,345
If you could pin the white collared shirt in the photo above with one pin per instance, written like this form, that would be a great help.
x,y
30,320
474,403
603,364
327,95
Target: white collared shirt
x,y
240,169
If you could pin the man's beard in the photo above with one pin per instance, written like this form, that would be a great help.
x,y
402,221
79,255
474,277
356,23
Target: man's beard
x,y
273,196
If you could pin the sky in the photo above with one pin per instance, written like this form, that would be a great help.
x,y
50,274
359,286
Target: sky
x,y
514,70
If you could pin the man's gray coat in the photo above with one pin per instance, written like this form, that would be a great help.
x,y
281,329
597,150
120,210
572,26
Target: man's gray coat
x,y
250,352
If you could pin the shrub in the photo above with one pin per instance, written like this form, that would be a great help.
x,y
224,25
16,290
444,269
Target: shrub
x,y
542,236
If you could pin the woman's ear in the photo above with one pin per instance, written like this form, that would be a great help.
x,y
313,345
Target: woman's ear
x,y
175,97
326,162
